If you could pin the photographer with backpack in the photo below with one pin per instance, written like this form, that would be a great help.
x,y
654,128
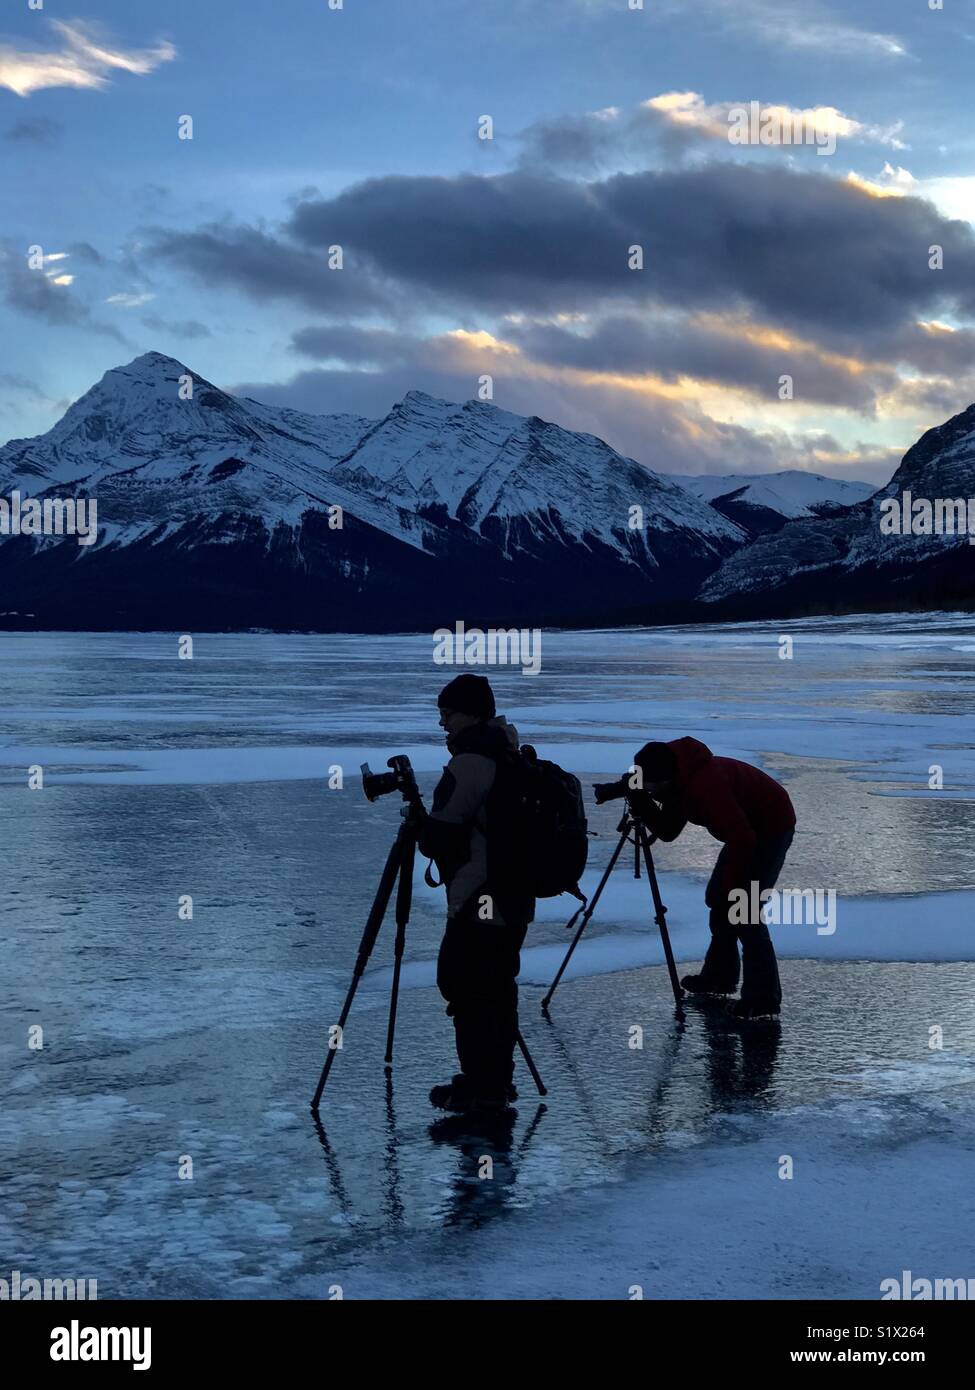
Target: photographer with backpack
x,y
504,828
479,958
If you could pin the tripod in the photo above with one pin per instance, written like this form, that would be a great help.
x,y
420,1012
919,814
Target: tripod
x,y
633,830
398,873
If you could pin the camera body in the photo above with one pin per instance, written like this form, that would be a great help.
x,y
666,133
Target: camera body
x,y
401,778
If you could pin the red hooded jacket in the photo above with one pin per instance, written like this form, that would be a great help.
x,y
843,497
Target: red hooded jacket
x,y
735,802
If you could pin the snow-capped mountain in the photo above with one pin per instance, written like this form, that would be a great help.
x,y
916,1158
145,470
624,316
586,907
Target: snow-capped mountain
x,y
854,561
762,502
219,512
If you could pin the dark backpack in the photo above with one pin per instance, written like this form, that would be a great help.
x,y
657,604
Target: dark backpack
x,y
540,842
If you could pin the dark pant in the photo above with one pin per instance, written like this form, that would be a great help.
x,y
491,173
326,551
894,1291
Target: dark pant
x,y
721,966
476,973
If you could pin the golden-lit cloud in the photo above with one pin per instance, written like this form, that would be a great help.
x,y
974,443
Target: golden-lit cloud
x,y
784,124
83,60
893,183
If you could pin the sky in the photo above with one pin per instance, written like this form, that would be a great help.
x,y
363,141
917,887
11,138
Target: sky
x,y
789,311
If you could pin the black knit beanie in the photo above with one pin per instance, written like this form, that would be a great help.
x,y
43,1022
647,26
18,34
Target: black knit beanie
x,y
657,761
468,694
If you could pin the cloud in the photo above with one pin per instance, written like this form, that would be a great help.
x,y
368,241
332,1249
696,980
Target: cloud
x,y
46,295
802,25
931,400
454,353
83,60
751,271
932,347
187,329
717,349
13,382
14,385
648,354
266,267
666,127
955,197
39,130
597,141
890,183
803,249
129,301
813,123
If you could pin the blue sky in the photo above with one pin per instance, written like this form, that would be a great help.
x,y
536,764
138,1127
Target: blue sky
x,y
463,257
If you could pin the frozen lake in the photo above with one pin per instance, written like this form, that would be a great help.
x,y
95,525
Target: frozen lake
x,y
166,1038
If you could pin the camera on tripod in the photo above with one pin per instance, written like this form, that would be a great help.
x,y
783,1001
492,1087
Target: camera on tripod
x,y
612,791
396,879
401,779
636,828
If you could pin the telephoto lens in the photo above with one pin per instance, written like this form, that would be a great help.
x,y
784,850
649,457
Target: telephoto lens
x,y
611,791
402,779
377,784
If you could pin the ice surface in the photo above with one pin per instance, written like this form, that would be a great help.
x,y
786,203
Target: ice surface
x,y
656,1167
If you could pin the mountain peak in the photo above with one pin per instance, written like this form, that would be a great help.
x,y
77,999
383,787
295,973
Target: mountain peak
x,y
423,397
154,359
150,367
141,400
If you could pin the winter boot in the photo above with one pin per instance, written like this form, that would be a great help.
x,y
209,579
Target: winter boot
x,y
701,985
456,1095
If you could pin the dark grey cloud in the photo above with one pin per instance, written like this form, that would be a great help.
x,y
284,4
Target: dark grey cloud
x,y
349,343
515,241
800,248
266,267
30,292
377,347
188,328
931,349
36,130
596,142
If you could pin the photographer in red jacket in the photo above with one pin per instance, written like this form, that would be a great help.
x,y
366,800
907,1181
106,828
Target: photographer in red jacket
x,y
752,815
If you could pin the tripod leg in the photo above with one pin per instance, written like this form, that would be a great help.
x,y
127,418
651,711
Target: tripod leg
x,y
660,917
373,922
590,909
404,900
529,1063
